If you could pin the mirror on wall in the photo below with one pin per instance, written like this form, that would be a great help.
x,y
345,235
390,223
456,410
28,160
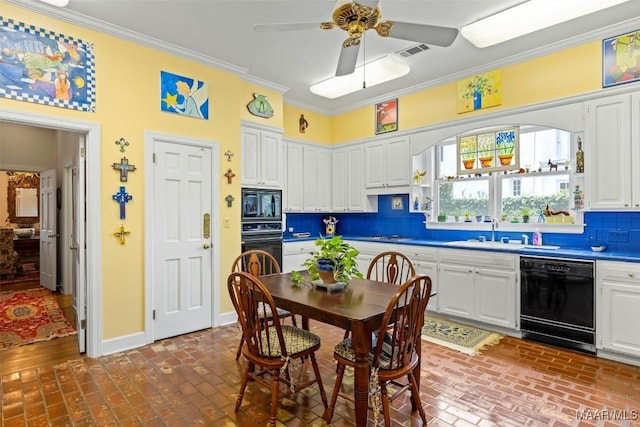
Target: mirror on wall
x,y
22,197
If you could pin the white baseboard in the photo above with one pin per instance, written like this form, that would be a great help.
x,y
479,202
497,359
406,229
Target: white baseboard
x,y
123,343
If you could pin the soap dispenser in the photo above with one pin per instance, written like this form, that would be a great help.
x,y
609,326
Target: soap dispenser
x,y
537,238
525,239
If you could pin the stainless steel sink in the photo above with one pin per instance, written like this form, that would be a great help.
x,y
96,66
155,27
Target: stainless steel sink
x,y
497,245
486,245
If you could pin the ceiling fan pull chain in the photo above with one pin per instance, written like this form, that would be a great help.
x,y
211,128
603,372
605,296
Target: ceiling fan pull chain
x,y
364,62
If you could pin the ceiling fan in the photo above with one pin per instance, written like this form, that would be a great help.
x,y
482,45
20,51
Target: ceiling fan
x,y
357,17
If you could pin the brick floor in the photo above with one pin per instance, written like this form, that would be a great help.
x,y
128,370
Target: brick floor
x,y
193,380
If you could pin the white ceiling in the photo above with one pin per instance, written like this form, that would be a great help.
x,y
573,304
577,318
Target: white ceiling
x,y
222,31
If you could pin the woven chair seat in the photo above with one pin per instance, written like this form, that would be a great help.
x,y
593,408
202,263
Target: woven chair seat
x,y
296,340
266,309
345,350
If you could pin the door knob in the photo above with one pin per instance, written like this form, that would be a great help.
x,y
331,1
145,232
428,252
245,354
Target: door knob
x,y
52,235
73,247
206,246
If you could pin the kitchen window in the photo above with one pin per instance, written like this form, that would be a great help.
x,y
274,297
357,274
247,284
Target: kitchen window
x,y
543,182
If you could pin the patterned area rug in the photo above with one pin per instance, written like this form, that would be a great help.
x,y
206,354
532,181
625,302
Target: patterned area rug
x,y
31,276
30,316
463,338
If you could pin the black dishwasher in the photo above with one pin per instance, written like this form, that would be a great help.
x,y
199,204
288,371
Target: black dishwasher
x,y
557,302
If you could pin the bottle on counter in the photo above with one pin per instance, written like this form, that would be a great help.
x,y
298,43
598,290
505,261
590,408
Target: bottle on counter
x,y
537,238
579,158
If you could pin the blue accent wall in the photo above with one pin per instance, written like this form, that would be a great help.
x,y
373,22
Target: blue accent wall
x,y
620,231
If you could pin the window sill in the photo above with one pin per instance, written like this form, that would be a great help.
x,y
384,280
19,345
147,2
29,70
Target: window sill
x,y
507,226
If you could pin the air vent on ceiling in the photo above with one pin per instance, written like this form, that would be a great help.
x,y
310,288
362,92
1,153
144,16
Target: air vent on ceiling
x,y
413,50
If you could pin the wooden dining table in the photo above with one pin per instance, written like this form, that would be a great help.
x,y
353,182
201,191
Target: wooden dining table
x,y
359,307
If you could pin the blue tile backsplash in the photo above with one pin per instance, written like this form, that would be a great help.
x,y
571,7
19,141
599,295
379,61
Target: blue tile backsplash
x,y
620,231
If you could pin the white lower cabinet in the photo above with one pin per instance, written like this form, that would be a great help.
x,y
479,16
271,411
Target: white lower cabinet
x,y
368,251
479,286
425,260
295,253
618,306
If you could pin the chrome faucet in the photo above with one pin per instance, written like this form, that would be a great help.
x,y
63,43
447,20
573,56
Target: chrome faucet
x,y
494,225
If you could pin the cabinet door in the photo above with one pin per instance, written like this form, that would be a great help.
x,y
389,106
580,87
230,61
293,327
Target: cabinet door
x,y
250,174
620,317
495,297
270,155
375,165
429,269
310,179
398,163
635,149
340,176
607,152
295,175
324,180
456,290
355,179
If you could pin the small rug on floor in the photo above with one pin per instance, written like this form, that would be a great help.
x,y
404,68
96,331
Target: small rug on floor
x,y
30,316
464,338
31,276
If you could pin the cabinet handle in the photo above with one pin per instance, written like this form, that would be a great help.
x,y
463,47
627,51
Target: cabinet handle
x,y
626,205
632,275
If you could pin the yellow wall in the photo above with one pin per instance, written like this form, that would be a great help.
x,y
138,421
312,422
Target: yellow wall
x,y
558,75
127,105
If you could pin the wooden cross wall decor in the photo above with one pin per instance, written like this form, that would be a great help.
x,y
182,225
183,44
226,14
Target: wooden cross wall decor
x,y
229,200
122,197
229,176
124,167
229,155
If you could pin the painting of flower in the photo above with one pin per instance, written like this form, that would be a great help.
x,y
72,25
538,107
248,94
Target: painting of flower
x,y
480,91
621,59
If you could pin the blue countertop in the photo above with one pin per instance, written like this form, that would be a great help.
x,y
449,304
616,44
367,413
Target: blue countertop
x,y
562,252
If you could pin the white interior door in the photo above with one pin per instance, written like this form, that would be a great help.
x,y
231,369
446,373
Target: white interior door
x,y
78,233
48,230
182,255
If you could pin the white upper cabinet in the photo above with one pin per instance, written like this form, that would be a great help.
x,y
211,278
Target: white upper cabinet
x,y
308,178
348,179
612,138
261,158
387,164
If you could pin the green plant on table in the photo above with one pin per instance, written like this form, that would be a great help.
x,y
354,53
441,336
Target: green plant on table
x,y
341,254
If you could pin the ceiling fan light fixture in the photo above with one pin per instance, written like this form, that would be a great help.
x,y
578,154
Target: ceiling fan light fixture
x,y
527,17
58,3
379,71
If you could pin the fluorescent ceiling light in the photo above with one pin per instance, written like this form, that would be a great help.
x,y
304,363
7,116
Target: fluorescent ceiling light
x,y
528,17
375,72
59,3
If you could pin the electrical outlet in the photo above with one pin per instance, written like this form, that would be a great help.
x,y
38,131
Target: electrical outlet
x,y
592,237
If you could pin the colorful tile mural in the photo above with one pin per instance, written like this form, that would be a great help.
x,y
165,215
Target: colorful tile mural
x,y
42,66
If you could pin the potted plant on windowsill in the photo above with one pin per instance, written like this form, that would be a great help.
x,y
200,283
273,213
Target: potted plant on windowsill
x,y
333,261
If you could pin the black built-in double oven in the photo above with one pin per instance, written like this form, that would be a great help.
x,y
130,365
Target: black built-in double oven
x,y
262,221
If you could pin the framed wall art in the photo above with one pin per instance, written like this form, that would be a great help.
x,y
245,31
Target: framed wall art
x,y
387,116
44,67
621,59
480,91
488,151
184,96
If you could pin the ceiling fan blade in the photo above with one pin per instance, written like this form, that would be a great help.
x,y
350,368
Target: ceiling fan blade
x,y
269,28
347,60
428,34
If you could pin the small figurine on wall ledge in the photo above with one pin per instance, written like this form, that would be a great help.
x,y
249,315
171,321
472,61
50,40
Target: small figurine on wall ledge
x,y
552,166
418,176
304,124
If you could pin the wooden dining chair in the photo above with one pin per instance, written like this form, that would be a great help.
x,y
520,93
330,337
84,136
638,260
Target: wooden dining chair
x,y
259,263
270,345
391,267
394,354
